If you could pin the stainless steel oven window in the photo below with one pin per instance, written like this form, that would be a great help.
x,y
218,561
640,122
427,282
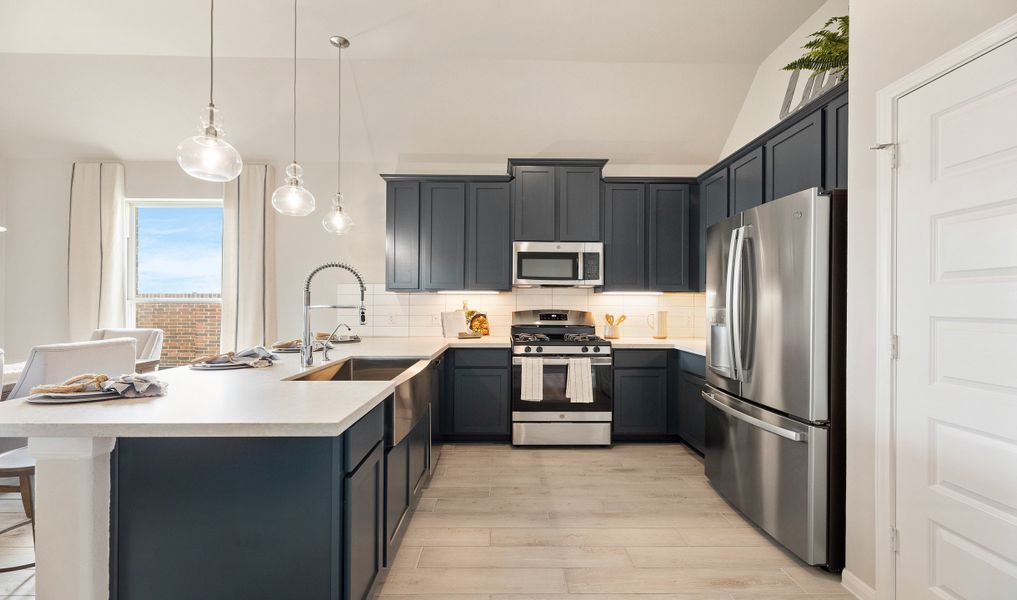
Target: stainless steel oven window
x,y
555,379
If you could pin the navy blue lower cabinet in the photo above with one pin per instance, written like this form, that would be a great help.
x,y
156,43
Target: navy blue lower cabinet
x,y
252,518
417,466
692,411
481,402
213,518
362,525
397,496
479,396
640,394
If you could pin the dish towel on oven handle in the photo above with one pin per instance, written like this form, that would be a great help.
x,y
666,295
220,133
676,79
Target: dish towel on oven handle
x,y
579,383
532,387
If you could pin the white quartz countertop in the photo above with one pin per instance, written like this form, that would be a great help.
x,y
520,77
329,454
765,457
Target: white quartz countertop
x,y
691,345
236,403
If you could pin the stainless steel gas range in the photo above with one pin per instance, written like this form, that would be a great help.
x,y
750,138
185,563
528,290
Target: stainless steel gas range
x,y
555,336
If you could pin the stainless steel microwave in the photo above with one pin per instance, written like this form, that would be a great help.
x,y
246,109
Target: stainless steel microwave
x,y
578,264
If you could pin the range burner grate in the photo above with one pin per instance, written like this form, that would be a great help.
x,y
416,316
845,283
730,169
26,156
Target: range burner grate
x,y
531,337
583,338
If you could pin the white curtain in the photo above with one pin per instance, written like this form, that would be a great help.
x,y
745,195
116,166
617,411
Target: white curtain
x,y
248,260
96,250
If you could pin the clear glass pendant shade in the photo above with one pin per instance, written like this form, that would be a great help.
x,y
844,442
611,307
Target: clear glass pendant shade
x,y
208,156
337,221
292,198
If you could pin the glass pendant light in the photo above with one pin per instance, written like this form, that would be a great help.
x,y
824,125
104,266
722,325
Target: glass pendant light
x,y
208,156
337,221
292,198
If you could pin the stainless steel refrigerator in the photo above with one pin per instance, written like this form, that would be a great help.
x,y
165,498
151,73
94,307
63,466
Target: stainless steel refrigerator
x,y
775,279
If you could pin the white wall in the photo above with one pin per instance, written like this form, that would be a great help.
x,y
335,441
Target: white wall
x,y
761,109
888,41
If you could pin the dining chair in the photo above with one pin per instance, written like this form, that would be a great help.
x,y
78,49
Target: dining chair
x,y
55,363
149,340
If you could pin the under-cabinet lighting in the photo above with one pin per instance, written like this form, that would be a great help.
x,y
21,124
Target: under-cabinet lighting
x,y
470,292
632,293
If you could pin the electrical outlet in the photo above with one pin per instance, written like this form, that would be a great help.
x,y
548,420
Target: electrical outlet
x,y
392,319
435,320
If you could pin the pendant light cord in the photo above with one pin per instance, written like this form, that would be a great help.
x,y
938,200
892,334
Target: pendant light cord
x,y
294,81
211,51
339,124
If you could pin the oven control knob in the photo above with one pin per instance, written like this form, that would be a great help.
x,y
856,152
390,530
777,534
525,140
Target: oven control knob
x,y
586,349
528,349
540,348
596,348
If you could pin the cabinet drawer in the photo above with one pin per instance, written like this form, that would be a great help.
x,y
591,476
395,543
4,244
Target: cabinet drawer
x,y
360,439
637,359
693,363
481,358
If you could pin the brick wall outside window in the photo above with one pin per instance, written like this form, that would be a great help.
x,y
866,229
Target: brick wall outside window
x,y
191,328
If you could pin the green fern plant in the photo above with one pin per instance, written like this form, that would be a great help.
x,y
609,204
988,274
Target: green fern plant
x,y
826,51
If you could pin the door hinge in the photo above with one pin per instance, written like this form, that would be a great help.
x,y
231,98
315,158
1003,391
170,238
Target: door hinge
x,y
895,541
894,347
892,147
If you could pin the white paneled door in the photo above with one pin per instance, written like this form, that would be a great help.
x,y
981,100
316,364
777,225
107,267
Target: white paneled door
x,y
956,311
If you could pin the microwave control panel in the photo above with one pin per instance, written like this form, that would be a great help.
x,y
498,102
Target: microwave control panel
x,y
591,266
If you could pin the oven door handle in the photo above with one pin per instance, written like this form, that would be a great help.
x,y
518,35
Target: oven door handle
x,y
596,362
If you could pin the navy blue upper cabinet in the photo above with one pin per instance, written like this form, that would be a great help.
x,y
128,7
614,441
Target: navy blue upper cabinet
x,y
713,208
488,236
442,235
556,200
533,197
794,158
578,204
402,236
746,181
624,236
836,143
669,209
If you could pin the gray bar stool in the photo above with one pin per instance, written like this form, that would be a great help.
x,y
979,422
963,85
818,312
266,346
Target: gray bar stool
x,y
18,464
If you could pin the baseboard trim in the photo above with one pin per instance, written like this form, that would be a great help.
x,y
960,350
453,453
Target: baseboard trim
x,y
856,586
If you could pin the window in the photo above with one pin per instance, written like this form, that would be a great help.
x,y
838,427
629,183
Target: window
x,y
175,274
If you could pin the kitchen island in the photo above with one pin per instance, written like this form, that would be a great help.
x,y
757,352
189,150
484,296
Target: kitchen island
x,y
72,443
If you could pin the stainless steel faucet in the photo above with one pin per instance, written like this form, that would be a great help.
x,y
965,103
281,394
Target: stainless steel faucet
x,y
306,349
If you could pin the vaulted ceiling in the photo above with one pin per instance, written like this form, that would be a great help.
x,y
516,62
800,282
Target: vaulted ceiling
x,y
425,82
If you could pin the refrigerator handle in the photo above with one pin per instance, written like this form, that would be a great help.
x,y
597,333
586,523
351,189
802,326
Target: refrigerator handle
x,y
729,301
734,301
794,436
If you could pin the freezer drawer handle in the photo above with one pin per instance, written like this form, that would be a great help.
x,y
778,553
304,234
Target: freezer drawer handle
x,y
794,436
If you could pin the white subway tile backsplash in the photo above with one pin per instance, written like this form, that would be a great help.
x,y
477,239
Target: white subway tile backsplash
x,y
418,314
669,300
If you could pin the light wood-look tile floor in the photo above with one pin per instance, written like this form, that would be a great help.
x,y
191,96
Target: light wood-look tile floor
x,y
631,522
15,548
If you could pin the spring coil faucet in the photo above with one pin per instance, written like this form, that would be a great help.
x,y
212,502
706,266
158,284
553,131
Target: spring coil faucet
x,y
306,350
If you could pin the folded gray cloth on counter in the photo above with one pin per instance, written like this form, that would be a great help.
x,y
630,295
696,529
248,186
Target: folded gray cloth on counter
x,y
136,386
256,357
